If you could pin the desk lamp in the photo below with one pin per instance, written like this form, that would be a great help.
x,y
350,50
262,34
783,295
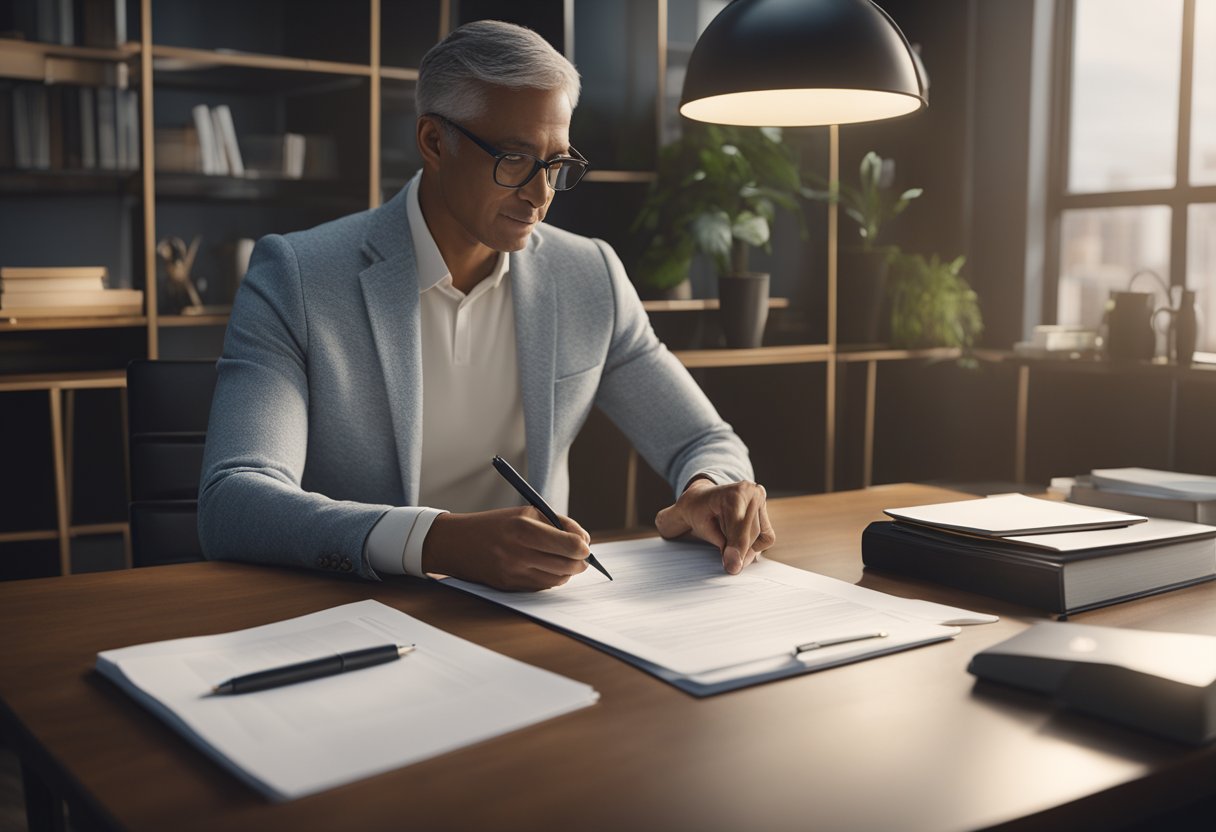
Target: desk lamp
x,y
803,63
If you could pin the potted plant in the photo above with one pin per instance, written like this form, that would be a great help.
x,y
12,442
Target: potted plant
x,y
716,192
863,265
932,305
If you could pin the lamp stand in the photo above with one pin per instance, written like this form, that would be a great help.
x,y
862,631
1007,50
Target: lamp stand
x,y
829,451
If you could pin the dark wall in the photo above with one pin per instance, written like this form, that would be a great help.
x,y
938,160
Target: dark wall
x,y
969,150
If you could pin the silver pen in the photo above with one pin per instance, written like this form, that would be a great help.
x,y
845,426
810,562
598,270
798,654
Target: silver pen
x,y
829,642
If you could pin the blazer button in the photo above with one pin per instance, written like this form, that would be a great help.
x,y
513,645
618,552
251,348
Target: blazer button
x,y
346,565
322,562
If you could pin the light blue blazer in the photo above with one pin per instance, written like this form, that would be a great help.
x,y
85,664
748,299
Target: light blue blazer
x,y
316,423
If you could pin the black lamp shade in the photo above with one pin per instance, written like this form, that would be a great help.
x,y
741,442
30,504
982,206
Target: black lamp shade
x,y
788,63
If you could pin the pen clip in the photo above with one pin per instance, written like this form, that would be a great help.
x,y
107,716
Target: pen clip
x,y
834,640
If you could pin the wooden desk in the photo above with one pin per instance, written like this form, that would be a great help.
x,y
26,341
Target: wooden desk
x,y
903,742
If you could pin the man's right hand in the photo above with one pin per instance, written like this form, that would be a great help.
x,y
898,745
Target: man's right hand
x,y
510,548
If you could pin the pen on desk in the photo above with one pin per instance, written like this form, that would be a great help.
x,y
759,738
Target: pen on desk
x,y
538,502
313,669
828,642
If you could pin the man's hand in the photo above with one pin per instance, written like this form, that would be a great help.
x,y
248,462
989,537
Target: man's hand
x,y
510,548
733,517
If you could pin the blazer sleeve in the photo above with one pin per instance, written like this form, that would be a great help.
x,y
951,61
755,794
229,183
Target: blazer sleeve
x,y
654,400
251,503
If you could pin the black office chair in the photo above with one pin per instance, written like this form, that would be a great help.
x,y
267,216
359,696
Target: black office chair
x,y
168,406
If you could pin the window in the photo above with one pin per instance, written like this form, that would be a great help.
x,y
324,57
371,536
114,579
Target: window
x,y
1136,166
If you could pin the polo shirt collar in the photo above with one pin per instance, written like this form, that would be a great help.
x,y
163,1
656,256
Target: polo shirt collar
x,y
431,269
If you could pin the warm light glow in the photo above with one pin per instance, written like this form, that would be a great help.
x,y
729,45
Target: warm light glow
x,y
800,107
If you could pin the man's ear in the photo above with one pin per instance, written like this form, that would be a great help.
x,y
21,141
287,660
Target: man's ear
x,y
430,141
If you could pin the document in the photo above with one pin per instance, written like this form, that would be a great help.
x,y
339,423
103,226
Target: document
x,y
1003,515
672,611
302,738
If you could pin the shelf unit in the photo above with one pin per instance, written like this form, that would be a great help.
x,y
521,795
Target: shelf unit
x,y
164,202
61,391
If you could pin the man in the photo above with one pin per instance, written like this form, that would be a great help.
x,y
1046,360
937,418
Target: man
x,y
374,365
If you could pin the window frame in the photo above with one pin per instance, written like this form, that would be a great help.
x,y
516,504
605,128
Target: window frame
x,y
1178,198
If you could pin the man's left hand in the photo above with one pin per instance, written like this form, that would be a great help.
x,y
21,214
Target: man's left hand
x,y
733,517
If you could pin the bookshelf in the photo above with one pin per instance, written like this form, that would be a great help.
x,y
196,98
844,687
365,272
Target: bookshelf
x,y
286,68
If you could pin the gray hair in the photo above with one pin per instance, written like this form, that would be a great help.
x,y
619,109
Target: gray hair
x,y
454,74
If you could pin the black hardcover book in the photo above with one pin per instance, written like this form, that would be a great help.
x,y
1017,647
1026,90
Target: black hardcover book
x,y
1062,582
7,126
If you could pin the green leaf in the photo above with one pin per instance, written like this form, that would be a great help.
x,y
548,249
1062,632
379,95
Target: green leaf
x,y
712,233
751,229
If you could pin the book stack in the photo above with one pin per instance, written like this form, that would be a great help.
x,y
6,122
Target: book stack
x,y
64,292
1059,556
1059,341
1147,491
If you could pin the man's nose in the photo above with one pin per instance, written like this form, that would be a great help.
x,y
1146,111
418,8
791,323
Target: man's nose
x,y
537,191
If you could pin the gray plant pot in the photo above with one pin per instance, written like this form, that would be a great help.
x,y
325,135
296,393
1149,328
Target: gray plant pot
x,y
744,308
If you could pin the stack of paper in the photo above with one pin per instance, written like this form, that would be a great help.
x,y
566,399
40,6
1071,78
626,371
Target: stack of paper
x,y
1170,494
1146,482
673,612
303,738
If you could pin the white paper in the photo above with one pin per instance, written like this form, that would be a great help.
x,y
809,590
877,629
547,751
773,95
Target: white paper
x,y
1155,530
306,737
1007,514
672,606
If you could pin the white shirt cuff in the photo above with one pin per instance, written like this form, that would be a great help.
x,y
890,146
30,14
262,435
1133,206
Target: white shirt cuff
x,y
716,477
394,545
411,558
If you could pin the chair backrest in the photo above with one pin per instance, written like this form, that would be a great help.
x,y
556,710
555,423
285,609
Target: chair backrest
x,y
168,403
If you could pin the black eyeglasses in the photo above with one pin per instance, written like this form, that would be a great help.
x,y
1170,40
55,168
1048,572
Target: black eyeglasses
x,y
514,170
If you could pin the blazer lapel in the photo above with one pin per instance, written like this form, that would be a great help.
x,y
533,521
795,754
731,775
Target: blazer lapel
x,y
390,292
535,305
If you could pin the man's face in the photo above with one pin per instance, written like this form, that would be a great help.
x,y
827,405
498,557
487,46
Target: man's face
x,y
530,121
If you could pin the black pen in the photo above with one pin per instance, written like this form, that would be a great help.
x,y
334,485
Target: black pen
x,y
313,669
538,502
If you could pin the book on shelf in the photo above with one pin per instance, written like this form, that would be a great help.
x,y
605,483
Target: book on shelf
x,y
212,156
110,310
7,156
225,136
98,23
177,150
105,23
1150,492
14,301
88,128
215,133
46,272
51,285
293,155
1064,572
67,127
